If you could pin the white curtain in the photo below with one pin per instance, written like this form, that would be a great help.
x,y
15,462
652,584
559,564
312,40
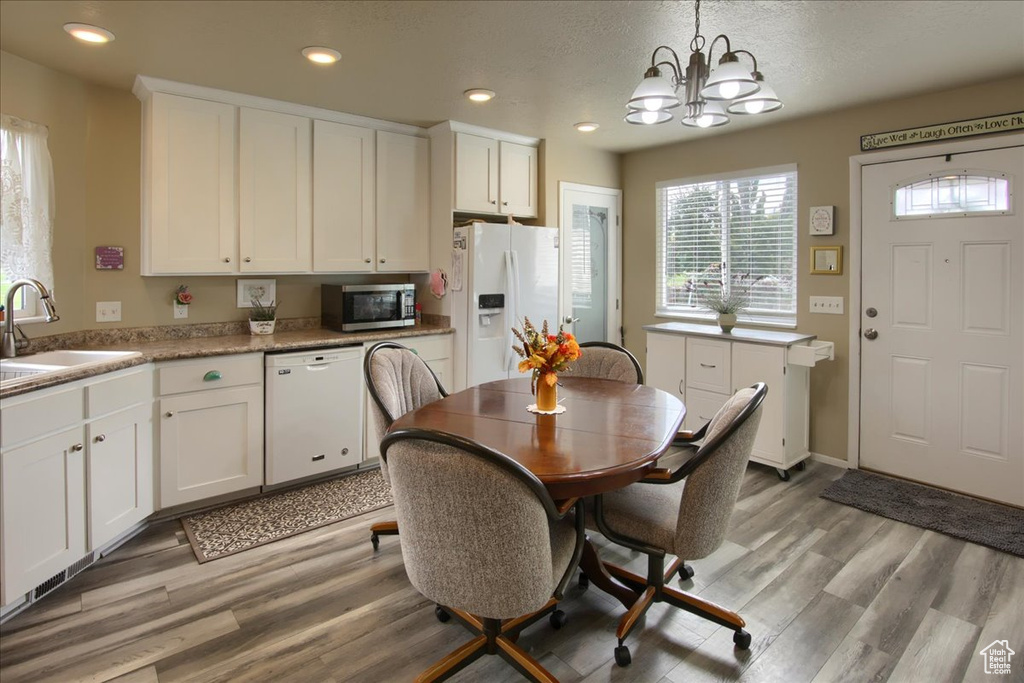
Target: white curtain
x,y
26,201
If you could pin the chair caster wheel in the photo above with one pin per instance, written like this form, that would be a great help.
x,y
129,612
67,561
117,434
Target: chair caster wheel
x,y
742,639
783,474
441,614
584,582
558,619
801,466
375,540
685,572
622,656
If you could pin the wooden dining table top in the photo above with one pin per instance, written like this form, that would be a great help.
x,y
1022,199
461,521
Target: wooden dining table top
x,y
610,434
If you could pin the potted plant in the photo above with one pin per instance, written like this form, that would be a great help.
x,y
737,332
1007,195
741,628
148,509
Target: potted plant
x,y
262,317
728,304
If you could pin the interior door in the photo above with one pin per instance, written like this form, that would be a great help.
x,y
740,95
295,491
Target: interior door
x,y
942,346
591,264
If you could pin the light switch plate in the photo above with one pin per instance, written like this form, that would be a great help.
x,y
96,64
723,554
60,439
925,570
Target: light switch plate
x,y
108,311
827,304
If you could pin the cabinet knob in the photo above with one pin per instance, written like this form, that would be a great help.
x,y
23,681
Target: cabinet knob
x,y
344,451
101,438
383,260
248,259
212,376
227,259
494,201
168,414
504,203
77,447
367,260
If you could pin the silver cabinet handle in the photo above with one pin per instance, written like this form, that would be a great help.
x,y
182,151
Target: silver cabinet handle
x,y
367,260
101,438
227,259
77,447
248,259
383,260
681,392
705,365
871,333
168,414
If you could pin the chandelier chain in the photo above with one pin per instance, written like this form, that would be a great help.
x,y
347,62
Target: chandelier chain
x,y
697,44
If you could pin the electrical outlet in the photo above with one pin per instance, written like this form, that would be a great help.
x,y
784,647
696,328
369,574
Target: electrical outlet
x,y
827,304
108,311
180,311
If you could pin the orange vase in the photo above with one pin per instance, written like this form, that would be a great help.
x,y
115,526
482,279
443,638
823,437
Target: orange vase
x,y
547,396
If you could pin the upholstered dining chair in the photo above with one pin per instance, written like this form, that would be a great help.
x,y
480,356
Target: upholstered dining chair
x,y
483,539
683,513
604,360
398,381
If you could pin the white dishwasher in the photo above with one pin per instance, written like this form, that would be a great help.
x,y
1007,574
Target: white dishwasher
x,y
314,412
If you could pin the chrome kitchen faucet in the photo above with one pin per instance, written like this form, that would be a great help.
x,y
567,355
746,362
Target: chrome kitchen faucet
x,y
10,343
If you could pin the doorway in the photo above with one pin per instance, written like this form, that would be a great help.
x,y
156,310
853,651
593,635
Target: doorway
x,y
591,266
941,317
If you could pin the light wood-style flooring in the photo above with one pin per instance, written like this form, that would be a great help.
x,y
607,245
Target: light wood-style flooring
x,y
830,593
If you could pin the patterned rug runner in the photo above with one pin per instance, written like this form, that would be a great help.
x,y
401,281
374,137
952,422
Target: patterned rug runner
x,y
240,526
996,526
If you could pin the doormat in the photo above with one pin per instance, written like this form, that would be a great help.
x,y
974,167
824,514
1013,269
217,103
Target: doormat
x,y
990,524
251,523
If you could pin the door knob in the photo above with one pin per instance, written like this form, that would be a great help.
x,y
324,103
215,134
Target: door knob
x,y
871,312
871,333
569,320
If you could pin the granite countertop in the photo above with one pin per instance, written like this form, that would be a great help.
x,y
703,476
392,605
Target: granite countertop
x,y
738,333
199,347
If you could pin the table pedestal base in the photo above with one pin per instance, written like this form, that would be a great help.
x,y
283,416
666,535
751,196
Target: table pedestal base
x,y
593,567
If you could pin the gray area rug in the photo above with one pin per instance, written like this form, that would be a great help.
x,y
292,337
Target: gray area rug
x,y
250,523
989,524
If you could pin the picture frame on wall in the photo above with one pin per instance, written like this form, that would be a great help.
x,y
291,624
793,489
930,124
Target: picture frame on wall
x,y
822,221
265,291
827,260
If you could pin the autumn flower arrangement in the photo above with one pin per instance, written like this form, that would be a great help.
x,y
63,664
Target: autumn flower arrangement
x,y
544,354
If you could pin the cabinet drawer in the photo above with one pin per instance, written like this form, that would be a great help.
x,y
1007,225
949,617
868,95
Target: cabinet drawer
x,y
198,375
701,406
30,419
136,386
708,365
429,348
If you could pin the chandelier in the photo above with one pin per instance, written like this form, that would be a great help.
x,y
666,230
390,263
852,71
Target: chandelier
x,y
710,97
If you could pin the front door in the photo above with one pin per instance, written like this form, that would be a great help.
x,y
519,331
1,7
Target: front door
x,y
591,292
942,345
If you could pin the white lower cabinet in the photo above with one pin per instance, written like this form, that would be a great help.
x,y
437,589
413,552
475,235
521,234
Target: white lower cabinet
x,y
211,434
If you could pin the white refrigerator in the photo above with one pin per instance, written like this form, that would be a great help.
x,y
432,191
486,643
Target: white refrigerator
x,y
501,274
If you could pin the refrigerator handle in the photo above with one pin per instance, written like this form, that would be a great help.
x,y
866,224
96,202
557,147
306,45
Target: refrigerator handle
x,y
510,308
515,285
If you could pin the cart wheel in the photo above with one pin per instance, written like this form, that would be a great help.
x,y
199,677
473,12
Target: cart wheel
x,y
783,474
622,656
801,466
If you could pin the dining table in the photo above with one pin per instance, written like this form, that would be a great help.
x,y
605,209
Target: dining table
x,y
610,435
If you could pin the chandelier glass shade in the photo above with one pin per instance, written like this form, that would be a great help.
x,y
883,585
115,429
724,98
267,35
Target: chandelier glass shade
x,y
710,95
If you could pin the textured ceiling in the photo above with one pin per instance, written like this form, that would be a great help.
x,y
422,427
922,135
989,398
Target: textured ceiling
x,y
552,63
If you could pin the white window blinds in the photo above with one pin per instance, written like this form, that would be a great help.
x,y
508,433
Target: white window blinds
x,y
730,235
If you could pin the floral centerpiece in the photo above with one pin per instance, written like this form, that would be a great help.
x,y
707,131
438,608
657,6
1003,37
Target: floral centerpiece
x,y
545,355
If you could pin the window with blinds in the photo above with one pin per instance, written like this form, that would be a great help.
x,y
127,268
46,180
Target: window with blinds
x,y
729,235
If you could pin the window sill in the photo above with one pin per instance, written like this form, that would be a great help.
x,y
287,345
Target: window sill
x,y
742,320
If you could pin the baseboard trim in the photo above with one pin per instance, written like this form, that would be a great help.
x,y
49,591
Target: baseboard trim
x,y
829,460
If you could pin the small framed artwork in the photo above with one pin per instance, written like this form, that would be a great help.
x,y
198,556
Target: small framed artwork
x,y
823,220
827,260
264,291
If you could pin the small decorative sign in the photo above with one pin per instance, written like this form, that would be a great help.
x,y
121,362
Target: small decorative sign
x,y
109,258
941,131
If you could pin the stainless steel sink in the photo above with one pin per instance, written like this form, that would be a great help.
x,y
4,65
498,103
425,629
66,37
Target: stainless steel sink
x,y
20,368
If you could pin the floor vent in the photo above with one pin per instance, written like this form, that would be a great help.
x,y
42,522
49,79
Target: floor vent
x,y
62,577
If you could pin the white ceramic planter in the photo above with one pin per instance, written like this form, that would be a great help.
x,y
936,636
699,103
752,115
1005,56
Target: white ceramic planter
x,y
727,321
262,326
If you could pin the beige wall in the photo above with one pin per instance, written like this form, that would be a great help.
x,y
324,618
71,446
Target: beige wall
x,y
563,162
821,147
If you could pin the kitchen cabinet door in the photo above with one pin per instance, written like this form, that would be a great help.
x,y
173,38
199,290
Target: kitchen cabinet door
x,y
752,363
344,178
43,507
275,231
403,203
211,443
666,364
190,219
476,174
518,179
120,473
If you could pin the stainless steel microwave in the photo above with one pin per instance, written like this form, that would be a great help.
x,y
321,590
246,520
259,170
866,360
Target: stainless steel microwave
x,y
351,308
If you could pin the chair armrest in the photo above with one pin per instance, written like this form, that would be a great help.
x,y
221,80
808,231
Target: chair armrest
x,y
685,438
663,475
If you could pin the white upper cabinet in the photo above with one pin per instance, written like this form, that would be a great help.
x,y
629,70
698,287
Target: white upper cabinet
x,y
403,203
476,180
275,198
344,166
518,179
190,220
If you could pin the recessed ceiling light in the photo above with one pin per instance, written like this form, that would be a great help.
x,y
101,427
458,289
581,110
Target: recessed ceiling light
x,y
321,55
479,94
89,34
587,126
